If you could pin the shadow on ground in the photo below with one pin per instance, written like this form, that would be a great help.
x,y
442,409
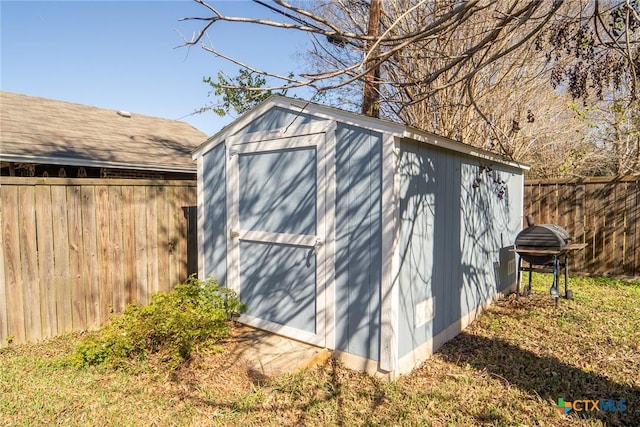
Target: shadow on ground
x,y
546,377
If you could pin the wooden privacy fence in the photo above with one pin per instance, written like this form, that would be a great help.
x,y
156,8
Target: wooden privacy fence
x,y
72,251
602,212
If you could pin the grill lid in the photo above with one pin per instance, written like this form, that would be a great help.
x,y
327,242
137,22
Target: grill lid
x,y
543,237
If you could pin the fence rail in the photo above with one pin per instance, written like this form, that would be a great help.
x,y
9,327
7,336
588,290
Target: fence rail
x,y
602,212
72,251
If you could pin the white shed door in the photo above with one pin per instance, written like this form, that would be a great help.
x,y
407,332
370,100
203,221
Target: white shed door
x,y
276,193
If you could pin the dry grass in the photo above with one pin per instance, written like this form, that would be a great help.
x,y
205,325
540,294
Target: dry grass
x,y
508,368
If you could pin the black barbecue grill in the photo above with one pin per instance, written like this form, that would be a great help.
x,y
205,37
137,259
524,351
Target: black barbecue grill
x,y
545,248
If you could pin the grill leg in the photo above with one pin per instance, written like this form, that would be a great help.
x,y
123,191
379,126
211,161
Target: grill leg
x,y
568,294
519,277
556,278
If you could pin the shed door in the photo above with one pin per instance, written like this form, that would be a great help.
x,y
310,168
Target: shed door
x,y
276,189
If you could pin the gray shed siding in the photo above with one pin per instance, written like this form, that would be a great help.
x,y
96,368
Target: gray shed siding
x,y
215,214
278,194
278,191
277,118
450,237
445,239
278,284
358,240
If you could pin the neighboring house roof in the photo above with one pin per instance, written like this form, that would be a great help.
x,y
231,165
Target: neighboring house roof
x,y
330,113
47,131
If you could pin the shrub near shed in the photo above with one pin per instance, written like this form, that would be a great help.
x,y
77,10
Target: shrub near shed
x,y
172,325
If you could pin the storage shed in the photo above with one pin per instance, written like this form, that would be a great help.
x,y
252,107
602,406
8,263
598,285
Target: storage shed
x,y
367,237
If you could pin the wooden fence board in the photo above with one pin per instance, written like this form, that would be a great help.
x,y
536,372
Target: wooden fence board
x,y
566,198
29,259
619,231
600,223
580,233
593,228
44,231
174,235
553,204
536,208
74,218
104,262
609,228
128,244
164,283
630,237
74,250
181,232
4,331
140,220
529,202
602,212
152,238
543,211
116,259
61,258
188,195
636,229
192,231
12,265
90,256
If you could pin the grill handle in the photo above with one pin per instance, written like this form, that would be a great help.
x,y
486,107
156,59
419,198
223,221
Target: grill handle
x,y
530,221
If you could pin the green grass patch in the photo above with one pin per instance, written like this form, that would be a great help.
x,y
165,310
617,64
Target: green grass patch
x,y
507,369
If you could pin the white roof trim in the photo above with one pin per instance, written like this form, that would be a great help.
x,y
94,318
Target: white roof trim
x,y
320,111
449,144
92,163
350,118
232,128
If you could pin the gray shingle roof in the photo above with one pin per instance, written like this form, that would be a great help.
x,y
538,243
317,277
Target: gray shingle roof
x,y
41,130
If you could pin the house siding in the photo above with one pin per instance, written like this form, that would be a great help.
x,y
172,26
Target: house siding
x,y
358,240
450,237
215,214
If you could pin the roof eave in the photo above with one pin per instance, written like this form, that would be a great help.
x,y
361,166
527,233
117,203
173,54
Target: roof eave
x,y
233,127
381,125
321,111
449,144
16,158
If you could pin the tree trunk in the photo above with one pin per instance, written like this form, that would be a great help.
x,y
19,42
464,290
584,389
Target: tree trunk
x,y
371,92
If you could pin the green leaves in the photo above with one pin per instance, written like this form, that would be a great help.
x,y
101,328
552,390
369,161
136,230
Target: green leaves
x,y
173,325
240,93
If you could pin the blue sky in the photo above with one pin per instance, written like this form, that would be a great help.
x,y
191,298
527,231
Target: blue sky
x,y
122,54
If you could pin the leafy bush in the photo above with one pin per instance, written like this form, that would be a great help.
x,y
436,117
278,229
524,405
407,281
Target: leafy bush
x,y
172,325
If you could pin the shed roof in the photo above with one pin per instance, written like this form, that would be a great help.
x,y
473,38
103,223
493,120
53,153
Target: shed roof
x,y
331,113
41,130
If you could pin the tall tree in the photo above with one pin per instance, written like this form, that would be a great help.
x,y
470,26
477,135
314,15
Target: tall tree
x,y
370,92
598,33
478,70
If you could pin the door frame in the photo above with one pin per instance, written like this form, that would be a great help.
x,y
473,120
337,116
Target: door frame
x,y
321,135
